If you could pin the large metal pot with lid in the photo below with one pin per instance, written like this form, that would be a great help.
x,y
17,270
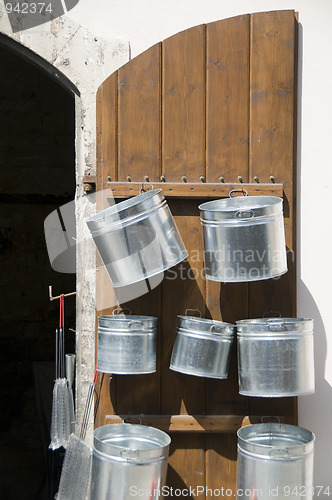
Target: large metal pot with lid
x,y
129,461
137,238
202,347
275,357
127,344
274,461
244,238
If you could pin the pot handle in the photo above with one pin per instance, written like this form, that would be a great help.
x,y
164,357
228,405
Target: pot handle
x,y
199,314
143,189
243,191
263,419
279,453
135,324
121,310
272,314
244,214
129,417
276,326
129,454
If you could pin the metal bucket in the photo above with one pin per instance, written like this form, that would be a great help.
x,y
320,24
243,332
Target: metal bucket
x,y
137,238
129,461
126,344
274,461
244,238
202,347
275,357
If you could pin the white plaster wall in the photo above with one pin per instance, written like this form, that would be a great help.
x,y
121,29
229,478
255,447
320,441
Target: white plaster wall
x,y
145,22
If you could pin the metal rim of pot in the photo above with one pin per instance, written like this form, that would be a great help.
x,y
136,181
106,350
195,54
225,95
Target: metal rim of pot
x,y
152,443
212,327
290,441
280,325
125,212
239,209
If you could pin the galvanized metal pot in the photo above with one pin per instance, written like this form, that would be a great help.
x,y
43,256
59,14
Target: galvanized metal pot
x,y
137,238
129,461
244,238
126,344
275,357
202,347
274,461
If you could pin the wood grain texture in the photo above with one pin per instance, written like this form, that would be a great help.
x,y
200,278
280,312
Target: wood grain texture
x,y
139,117
183,105
107,131
227,107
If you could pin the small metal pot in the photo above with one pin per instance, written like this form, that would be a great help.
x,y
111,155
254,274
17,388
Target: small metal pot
x,y
202,347
275,357
244,238
274,461
137,238
128,461
126,344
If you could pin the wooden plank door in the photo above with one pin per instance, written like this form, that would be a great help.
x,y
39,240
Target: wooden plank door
x,y
210,108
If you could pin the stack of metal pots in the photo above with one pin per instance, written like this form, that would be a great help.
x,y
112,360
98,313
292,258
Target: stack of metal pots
x,y
244,240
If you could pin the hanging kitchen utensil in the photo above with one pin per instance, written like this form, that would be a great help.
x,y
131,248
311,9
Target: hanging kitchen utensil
x,y
128,460
202,347
275,357
126,344
137,238
274,461
62,405
76,469
244,238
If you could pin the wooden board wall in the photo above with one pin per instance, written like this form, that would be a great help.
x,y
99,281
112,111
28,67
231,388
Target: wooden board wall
x,y
215,103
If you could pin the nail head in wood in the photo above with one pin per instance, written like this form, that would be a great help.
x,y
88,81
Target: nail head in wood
x,y
221,179
128,178
202,178
272,178
162,178
256,178
146,178
108,178
239,178
184,178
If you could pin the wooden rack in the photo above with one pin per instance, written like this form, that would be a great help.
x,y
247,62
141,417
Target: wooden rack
x,y
214,103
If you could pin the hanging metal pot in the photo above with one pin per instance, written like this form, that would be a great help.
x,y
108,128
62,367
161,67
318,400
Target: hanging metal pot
x,y
127,344
137,238
129,461
275,357
274,461
244,238
202,347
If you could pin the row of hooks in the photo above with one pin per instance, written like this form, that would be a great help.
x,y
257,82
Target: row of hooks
x,y
201,178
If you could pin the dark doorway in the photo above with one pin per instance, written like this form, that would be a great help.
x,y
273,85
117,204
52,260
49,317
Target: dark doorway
x,y
37,156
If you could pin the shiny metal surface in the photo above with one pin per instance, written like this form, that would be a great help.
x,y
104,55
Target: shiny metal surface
x,y
275,357
126,344
128,461
202,347
244,238
137,238
274,460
